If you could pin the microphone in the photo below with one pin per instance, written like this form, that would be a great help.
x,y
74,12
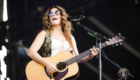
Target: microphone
x,y
75,18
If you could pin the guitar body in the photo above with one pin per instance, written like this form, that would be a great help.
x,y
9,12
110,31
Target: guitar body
x,y
36,71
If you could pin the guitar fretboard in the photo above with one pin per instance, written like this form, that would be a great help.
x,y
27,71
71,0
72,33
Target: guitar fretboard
x,y
78,57
82,55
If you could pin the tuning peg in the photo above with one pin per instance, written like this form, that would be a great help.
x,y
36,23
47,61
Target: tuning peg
x,y
123,38
116,44
119,34
120,43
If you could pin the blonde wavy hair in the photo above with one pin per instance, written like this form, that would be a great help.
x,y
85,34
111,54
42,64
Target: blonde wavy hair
x,y
66,25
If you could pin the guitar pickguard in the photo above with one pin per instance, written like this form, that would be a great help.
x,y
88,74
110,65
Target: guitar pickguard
x,y
60,75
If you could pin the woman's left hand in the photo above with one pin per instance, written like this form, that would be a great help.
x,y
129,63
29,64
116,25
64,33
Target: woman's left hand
x,y
94,52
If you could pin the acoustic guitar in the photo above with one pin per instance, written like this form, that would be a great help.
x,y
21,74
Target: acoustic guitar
x,y
65,63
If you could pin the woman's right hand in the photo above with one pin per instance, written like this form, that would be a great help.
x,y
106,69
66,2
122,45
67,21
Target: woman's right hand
x,y
50,68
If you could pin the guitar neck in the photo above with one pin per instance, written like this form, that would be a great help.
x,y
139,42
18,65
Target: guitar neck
x,y
82,55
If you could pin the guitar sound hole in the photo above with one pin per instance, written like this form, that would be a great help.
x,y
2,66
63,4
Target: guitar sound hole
x,y
61,65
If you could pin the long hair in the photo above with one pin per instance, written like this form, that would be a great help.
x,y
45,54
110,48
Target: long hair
x,y
66,25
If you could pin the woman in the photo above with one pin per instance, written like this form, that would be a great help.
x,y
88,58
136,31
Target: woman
x,y
51,39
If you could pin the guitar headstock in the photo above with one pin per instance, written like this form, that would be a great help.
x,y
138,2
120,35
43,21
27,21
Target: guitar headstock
x,y
116,40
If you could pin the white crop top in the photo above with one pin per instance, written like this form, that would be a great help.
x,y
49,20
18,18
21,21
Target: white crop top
x,y
58,46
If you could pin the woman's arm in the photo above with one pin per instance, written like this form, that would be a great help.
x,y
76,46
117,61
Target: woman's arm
x,y
77,53
36,45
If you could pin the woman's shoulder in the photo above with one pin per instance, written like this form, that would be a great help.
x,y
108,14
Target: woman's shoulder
x,y
72,37
44,32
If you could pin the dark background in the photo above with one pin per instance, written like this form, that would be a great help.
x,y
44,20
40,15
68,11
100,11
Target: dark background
x,y
120,16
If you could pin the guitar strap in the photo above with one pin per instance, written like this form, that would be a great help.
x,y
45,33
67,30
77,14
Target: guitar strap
x,y
70,42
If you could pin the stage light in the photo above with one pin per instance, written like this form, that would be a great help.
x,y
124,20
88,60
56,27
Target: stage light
x,y
7,27
3,67
136,1
8,78
8,51
6,40
5,16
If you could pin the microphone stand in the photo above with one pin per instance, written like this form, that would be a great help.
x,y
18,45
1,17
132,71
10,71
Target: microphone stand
x,y
100,37
100,61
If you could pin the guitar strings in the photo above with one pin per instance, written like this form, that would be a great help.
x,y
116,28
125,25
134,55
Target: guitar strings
x,y
76,58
